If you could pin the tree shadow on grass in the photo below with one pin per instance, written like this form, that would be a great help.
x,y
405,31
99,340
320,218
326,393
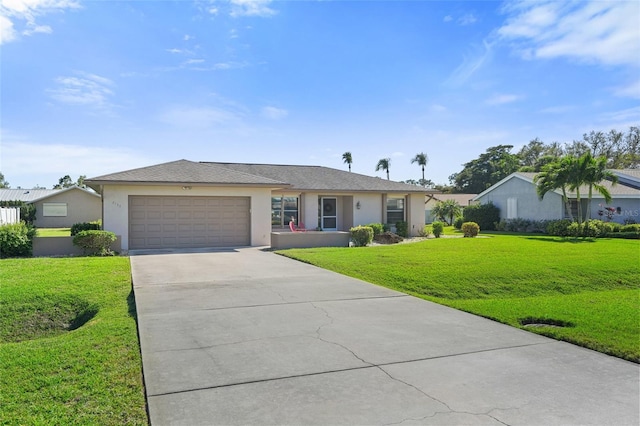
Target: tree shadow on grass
x,y
131,304
571,240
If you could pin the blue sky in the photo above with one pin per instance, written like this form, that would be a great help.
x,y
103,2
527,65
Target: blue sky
x,y
94,87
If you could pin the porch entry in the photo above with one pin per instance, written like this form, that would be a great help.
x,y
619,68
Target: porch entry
x,y
329,213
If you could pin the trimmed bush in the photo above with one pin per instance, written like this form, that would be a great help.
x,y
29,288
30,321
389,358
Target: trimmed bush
x,y
559,228
378,228
470,229
16,240
95,243
27,210
402,229
437,228
632,227
485,215
76,228
361,235
458,222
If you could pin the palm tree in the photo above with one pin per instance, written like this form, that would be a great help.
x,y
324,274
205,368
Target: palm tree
x,y
422,159
346,157
596,173
447,209
383,164
555,175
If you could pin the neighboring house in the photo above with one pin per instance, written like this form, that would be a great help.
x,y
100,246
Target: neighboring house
x,y
204,204
516,197
58,208
463,200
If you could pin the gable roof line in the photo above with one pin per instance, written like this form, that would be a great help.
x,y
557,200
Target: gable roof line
x,y
65,190
518,175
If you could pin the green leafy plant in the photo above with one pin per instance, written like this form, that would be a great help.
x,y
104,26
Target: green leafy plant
x,y
378,228
361,235
470,229
95,243
425,231
402,228
458,222
76,228
437,228
16,240
485,215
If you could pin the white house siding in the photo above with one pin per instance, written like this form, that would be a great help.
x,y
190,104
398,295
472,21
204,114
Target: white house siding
x,y
415,213
81,207
116,206
529,206
310,209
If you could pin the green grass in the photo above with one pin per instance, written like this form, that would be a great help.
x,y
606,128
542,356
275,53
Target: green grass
x,y
90,375
593,285
53,232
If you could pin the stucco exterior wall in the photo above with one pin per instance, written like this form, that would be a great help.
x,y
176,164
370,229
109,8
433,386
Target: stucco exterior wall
x,y
370,210
529,206
116,206
415,213
629,208
81,207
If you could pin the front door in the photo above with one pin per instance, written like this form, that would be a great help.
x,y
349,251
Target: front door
x,y
329,214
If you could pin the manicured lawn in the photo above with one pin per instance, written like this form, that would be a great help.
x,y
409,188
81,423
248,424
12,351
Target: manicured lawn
x,y
90,375
593,286
53,232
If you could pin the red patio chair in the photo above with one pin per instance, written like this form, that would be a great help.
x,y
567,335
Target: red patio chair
x,y
295,228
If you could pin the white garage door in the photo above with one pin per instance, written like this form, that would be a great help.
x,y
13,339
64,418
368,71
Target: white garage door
x,y
183,222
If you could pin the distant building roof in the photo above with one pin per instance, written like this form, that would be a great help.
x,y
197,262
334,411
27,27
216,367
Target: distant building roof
x,y
462,199
26,195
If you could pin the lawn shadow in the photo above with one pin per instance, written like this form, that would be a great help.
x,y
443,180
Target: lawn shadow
x,y
131,304
562,240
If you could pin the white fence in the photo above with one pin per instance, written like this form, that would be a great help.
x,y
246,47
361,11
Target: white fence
x,y
9,215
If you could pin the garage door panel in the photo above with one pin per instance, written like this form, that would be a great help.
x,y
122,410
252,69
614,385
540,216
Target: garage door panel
x,y
175,222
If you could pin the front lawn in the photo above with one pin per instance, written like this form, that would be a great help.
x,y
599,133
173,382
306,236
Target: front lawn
x,y
591,287
68,342
53,232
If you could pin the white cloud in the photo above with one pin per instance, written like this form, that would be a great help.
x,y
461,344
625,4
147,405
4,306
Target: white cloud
x,y
447,18
19,16
84,89
604,32
467,19
273,113
558,109
502,99
631,90
27,164
472,63
437,108
197,117
251,8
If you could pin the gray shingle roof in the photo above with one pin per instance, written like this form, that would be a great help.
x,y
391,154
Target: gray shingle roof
x,y
25,195
184,171
319,178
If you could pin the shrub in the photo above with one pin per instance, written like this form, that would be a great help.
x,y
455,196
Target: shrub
x,y
522,225
603,228
361,235
402,228
470,229
27,211
437,228
559,228
76,228
425,231
378,228
458,222
485,215
16,240
95,243
631,227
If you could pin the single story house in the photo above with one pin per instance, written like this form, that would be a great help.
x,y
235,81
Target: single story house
x,y
58,208
517,198
432,199
184,204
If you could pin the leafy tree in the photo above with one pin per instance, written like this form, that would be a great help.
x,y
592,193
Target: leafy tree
x,y
67,182
427,183
346,157
3,183
411,181
422,159
383,164
447,209
492,166
555,175
80,181
596,173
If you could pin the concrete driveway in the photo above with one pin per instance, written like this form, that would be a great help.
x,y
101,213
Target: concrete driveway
x,y
243,336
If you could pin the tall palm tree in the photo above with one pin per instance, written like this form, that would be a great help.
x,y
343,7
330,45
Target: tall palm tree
x,y
422,159
554,176
346,158
596,173
383,164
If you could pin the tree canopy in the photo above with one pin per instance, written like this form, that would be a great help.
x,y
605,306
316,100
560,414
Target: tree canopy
x,y
3,183
67,182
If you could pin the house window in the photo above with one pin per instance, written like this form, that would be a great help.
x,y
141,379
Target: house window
x,y
395,210
54,209
282,210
